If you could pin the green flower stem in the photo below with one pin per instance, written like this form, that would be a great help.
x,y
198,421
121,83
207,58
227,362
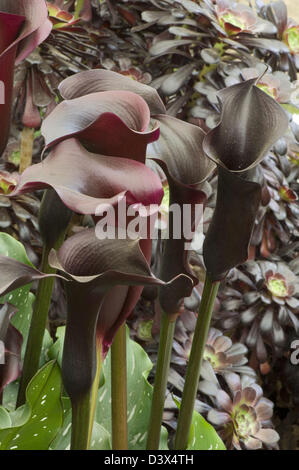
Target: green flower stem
x,y
195,360
161,376
119,390
83,411
38,324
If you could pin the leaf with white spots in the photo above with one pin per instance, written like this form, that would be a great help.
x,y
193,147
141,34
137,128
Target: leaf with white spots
x,y
5,421
21,298
35,425
202,434
101,439
139,397
139,400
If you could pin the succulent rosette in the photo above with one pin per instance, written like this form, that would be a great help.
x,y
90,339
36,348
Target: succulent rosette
x,y
277,220
24,25
240,412
236,18
287,33
270,292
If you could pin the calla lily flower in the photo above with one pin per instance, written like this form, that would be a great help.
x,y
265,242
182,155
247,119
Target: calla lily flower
x,y
94,267
96,119
178,152
11,340
84,180
24,25
115,126
99,80
14,274
251,122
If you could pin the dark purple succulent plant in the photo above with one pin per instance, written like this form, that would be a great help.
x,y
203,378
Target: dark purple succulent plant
x,y
240,413
262,297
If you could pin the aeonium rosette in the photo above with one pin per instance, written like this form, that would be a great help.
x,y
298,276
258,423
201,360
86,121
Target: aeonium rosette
x,y
236,18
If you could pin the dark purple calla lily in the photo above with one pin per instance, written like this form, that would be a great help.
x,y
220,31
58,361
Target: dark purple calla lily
x,y
14,274
23,26
112,123
179,153
12,341
116,126
94,81
94,267
84,180
251,122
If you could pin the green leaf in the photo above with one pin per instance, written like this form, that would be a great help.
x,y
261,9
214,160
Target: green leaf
x,y
139,400
56,350
21,298
34,425
78,8
5,421
202,434
139,397
101,439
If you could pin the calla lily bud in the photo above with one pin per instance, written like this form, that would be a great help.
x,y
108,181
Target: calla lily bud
x,y
251,122
179,153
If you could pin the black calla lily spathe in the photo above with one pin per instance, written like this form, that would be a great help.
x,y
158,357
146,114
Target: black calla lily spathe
x,y
251,122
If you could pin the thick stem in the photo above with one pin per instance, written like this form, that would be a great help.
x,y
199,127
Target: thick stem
x,y
27,141
83,411
161,376
119,390
195,360
38,325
